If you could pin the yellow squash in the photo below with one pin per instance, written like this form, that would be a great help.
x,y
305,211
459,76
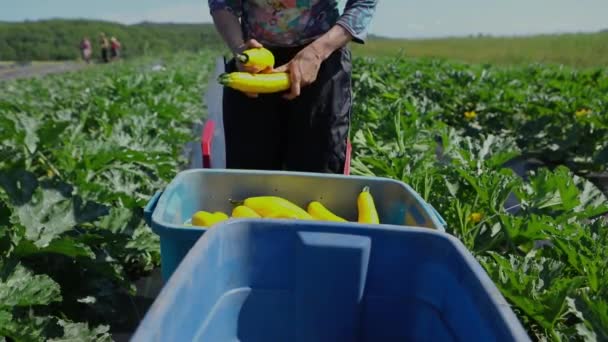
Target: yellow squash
x,y
256,83
367,208
207,219
259,58
276,207
243,211
319,212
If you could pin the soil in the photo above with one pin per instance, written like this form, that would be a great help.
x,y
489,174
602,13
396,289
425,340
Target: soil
x,y
15,71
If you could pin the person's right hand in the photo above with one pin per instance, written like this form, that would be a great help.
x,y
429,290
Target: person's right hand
x,y
250,44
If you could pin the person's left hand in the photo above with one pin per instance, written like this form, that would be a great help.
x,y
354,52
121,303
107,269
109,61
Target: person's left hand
x,y
302,69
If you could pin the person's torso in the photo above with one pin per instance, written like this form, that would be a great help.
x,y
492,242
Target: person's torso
x,y
288,22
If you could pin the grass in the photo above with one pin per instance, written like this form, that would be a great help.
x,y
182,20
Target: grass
x,y
577,50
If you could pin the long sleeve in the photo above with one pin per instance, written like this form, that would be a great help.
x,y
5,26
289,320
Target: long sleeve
x,y
356,18
233,6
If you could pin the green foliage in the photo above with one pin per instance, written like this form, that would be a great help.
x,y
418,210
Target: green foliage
x,y
556,114
59,39
79,156
573,49
542,238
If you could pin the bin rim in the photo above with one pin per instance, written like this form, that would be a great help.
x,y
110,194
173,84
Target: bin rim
x,y
160,227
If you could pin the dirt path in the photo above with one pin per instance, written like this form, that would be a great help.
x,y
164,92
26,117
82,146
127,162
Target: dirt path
x,y
9,72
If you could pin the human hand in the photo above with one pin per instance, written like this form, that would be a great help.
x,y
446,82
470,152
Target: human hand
x,y
303,70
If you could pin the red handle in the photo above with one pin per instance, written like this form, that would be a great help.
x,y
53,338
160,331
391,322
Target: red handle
x,y
347,161
206,140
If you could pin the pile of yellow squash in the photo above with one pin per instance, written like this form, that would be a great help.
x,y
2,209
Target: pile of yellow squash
x,y
275,207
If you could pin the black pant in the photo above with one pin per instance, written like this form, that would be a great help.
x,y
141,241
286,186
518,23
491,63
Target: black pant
x,y
307,134
104,55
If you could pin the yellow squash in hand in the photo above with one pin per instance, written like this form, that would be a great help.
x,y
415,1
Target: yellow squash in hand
x,y
367,208
259,58
276,207
243,211
207,219
319,212
256,83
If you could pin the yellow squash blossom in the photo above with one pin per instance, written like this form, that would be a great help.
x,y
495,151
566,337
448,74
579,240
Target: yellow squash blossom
x,y
582,112
475,217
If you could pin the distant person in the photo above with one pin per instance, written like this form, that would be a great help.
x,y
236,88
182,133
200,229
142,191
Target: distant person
x,y
105,48
86,49
115,48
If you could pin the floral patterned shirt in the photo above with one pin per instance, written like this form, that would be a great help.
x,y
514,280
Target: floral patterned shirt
x,y
297,22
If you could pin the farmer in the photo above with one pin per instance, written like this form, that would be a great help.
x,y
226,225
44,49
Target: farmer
x,y
105,47
114,48
305,128
86,49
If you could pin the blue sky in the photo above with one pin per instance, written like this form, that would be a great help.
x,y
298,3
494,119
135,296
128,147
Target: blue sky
x,y
395,18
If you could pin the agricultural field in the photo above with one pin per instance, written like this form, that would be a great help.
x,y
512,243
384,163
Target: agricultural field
x,y
572,49
81,154
456,133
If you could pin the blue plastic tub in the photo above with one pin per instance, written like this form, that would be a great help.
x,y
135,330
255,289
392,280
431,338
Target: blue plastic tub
x,y
250,280
211,189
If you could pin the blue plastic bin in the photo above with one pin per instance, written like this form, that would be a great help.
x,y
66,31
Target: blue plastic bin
x,y
211,189
250,280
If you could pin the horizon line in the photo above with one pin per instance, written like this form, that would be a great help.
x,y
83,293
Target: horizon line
x,y
371,35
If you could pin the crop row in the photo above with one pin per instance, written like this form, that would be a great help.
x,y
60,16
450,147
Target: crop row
x,y
453,132
81,153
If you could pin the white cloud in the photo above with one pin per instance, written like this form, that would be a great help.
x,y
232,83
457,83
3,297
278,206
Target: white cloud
x,y
182,13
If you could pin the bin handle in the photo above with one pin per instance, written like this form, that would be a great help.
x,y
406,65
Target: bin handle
x,y
149,208
436,214
206,141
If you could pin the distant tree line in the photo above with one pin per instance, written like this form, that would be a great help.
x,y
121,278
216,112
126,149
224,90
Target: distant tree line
x,y
59,39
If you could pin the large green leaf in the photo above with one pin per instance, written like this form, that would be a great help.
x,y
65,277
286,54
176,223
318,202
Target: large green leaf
x,y
535,284
23,288
28,126
65,245
46,216
82,332
27,328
